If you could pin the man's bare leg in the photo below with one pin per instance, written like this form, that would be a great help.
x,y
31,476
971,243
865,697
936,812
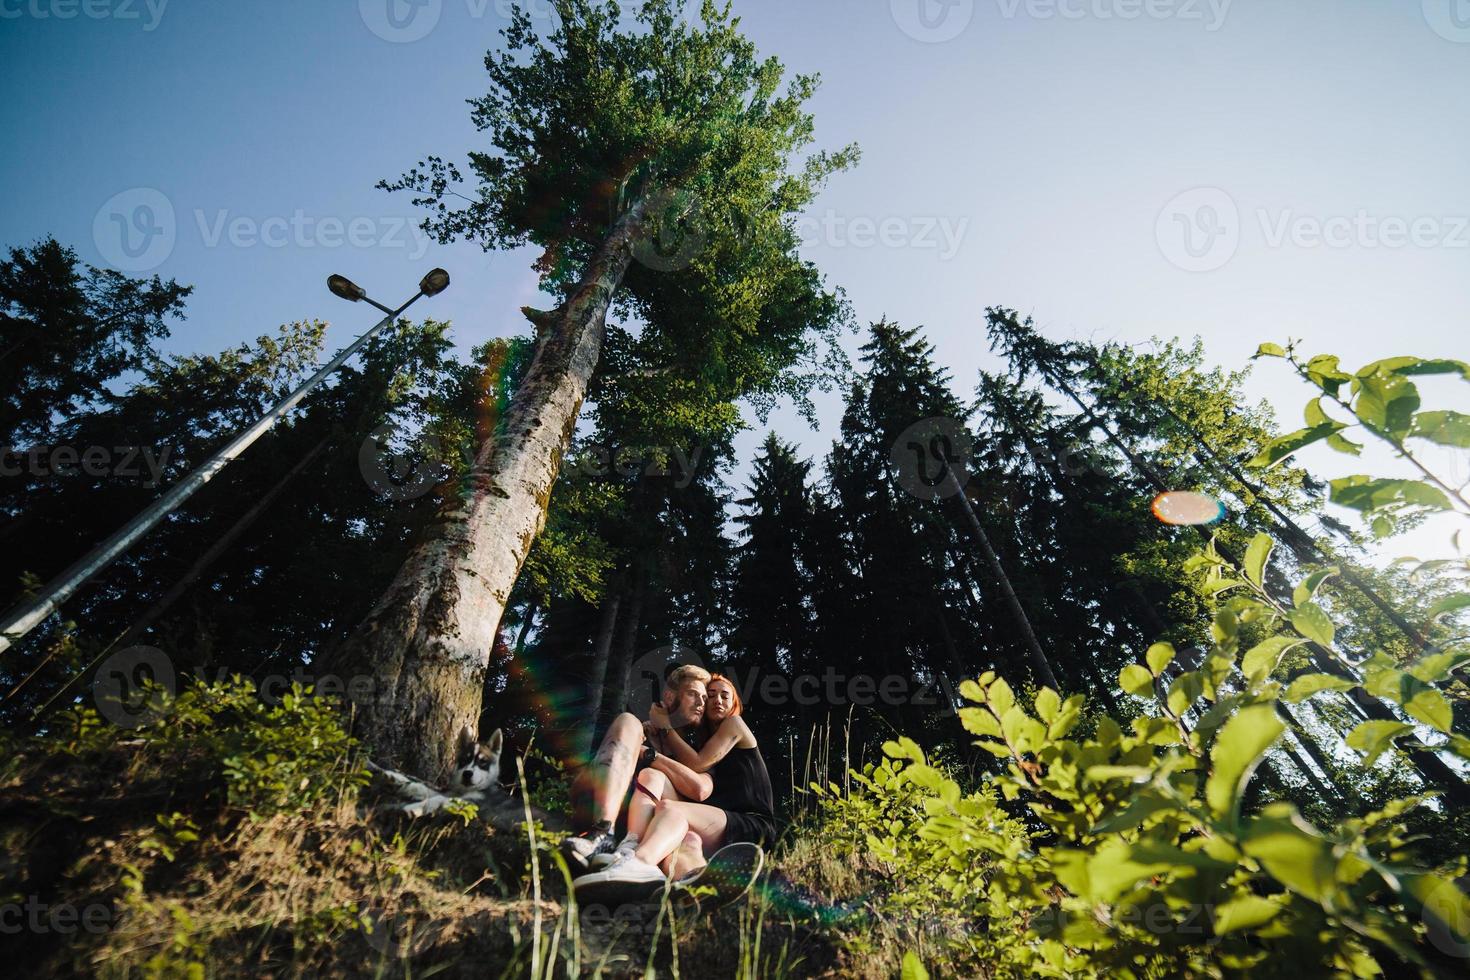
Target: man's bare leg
x,y
599,791
600,788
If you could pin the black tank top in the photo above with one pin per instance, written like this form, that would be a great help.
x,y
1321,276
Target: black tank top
x,y
742,784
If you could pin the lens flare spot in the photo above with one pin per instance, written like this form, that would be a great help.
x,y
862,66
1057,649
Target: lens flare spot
x,y
1187,507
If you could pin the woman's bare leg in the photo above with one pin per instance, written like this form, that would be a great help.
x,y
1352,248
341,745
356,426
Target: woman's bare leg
x,y
672,820
687,857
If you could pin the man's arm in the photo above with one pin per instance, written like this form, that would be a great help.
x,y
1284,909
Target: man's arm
x,y
691,785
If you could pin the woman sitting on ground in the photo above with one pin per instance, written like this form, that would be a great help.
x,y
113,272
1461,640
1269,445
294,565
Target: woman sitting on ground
x,y
666,834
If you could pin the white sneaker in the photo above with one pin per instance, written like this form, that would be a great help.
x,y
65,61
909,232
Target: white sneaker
x,y
622,879
622,852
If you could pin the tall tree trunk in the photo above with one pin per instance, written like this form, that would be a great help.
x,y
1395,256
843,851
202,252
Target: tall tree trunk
x,y
601,649
427,641
615,693
1039,663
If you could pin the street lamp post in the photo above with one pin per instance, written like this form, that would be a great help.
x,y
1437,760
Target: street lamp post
x,y
26,617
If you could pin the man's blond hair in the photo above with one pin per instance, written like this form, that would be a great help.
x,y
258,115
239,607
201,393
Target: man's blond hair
x,y
684,674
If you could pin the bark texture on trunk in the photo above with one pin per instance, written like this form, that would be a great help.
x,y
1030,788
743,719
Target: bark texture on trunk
x,y
427,642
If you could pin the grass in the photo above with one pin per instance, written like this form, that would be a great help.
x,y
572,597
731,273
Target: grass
x,y
198,883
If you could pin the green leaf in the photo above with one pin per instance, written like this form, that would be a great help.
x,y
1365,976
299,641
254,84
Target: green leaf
x,y
1291,852
1185,690
1310,621
1047,704
1366,494
1308,684
1416,365
1159,656
1245,912
1238,749
1261,659
979,721
1256,557
1270,350
1432,708
1100,774
1387,403
1449,604
1142,807
1445,908
1343,444
1372,738
1445,428
1308,586
1315,415
913,968
1324,372
1283,446
1437,666
971,691
994,748
1000,695
1135,679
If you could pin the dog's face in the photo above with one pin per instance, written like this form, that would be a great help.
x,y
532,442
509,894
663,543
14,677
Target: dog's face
x,y
477,764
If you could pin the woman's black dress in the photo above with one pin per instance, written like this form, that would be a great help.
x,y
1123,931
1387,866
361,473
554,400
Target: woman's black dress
x,y
743,791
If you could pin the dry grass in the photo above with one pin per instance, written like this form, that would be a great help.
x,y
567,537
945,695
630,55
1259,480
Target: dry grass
x,y
216,892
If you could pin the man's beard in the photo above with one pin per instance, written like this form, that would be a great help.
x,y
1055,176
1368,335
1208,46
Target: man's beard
x,y
679,720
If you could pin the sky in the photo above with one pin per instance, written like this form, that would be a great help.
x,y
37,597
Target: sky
x,y
1240,170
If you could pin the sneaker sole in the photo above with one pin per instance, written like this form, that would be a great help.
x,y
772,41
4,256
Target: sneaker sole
x,y
612,895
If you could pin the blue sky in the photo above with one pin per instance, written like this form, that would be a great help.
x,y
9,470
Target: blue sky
x,y
1119,169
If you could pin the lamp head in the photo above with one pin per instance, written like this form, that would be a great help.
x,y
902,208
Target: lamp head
x,y
346,288
434,283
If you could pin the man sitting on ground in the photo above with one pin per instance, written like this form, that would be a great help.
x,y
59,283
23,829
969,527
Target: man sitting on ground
x,y
602,788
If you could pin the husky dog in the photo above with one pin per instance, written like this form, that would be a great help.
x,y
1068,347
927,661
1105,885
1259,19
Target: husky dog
x,y
476,769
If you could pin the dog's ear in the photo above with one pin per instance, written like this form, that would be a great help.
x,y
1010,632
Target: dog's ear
x,y
496,740
466,739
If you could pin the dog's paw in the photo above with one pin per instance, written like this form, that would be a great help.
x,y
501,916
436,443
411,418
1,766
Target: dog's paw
x,y
424,807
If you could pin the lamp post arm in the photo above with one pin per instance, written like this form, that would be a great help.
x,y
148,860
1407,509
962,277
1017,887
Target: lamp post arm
x,y
26,617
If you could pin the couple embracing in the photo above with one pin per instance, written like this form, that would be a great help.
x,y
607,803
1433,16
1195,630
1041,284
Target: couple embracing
x,y
693,781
